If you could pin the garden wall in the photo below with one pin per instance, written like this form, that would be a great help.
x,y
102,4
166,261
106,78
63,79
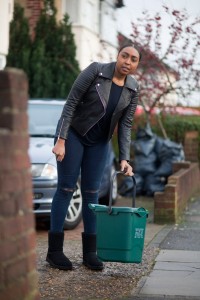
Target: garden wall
x,y
182,185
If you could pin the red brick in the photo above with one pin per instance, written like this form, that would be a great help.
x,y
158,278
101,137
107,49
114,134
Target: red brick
x,y
13,99
28,220
13,143
18,290
6,164
12,248
27,180
21,161
10,291
10,182
2,286
164,205
17,121
191,146
11,227
26,242
7,208
31,240
15,270
24,200
8,250
180,165
28,198
12,78
191,135
169,188
31,262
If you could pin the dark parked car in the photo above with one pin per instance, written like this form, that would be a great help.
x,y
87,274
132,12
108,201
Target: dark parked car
x,y
43,117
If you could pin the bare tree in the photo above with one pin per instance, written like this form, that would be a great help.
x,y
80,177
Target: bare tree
x,y
172,71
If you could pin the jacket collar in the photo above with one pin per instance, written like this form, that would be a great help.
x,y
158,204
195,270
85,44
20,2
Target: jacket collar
x,y
107,71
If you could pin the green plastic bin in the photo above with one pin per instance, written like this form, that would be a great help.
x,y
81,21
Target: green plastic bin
x,y
120,231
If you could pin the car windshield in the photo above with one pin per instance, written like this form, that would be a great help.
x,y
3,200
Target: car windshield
x,y
43,118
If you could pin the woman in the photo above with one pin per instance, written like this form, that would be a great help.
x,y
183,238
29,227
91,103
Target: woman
x,y
102,96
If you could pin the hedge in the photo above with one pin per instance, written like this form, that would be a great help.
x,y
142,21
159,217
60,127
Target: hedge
x,y
175,126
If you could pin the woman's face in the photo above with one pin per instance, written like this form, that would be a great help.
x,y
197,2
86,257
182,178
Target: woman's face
x,y
127,61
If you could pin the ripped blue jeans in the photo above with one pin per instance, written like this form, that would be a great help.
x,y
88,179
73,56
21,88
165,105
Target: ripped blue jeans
x,y
90,161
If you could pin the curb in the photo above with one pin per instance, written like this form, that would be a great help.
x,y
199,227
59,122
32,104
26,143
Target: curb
x,y
160,236
155,242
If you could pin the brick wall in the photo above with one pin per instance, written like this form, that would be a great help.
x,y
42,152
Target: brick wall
x,y
191,146
32,12
170,204
18,276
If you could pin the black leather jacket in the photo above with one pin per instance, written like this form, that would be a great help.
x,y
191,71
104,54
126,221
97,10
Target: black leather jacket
x,y
87,101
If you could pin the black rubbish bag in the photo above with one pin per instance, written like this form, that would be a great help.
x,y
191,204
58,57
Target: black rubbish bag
x,y
145,132
145,141
126,187
144,146
164,169
172,150
158,145
144,165
154,184
139,184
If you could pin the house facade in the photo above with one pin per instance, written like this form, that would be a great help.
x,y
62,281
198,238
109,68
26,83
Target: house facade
x,y
94,25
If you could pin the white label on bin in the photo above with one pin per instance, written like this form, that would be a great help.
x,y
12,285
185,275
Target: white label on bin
x,y
139,233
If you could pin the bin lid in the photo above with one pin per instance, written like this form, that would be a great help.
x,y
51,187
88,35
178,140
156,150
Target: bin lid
x,y
142,212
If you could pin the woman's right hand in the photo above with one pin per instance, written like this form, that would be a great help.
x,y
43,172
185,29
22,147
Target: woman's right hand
x,y
59,149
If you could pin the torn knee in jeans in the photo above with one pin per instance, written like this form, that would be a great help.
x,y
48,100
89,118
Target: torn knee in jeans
x,y
65,189
91,191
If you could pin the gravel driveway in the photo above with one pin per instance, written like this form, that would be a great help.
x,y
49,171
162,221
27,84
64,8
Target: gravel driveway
x,y
116,281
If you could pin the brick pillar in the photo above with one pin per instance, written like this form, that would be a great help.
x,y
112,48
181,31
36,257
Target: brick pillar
x,y
18,276
191,146
33,10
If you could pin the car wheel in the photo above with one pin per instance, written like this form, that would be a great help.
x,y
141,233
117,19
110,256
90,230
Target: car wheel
x,y
105,199
74,214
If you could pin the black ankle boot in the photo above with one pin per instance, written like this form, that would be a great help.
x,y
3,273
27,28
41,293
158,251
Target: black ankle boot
x,y
90,258
55,256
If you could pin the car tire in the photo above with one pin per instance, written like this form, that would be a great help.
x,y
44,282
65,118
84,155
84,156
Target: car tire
x,y
105,200
74,214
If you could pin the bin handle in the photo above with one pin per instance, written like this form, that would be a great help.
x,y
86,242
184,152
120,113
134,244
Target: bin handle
x,y
111,189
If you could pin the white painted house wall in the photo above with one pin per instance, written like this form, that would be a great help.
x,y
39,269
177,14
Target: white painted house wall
x,y
95,29
6,13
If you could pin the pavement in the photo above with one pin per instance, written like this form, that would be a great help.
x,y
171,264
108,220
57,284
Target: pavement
x,y
176,273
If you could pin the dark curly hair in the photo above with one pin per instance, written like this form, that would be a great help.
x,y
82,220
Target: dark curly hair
x,y
133,46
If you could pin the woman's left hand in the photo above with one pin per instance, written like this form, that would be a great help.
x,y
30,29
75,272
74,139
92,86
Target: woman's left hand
x,y
126,168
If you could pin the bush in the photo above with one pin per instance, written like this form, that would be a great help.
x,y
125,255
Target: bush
x,y
49,59
177,126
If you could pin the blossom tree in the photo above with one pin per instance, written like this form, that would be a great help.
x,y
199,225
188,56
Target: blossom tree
x,y
170,68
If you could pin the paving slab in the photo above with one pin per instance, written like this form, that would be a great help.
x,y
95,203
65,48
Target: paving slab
x,y
176,272
178,256
173,266
180,283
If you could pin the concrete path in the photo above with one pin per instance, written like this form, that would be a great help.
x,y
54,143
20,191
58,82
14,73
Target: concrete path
x,y
176,274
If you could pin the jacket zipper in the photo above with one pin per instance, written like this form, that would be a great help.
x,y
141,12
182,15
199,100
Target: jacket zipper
x,y
60,128
103,103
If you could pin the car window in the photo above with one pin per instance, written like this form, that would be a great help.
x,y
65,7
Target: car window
x,y
43,118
